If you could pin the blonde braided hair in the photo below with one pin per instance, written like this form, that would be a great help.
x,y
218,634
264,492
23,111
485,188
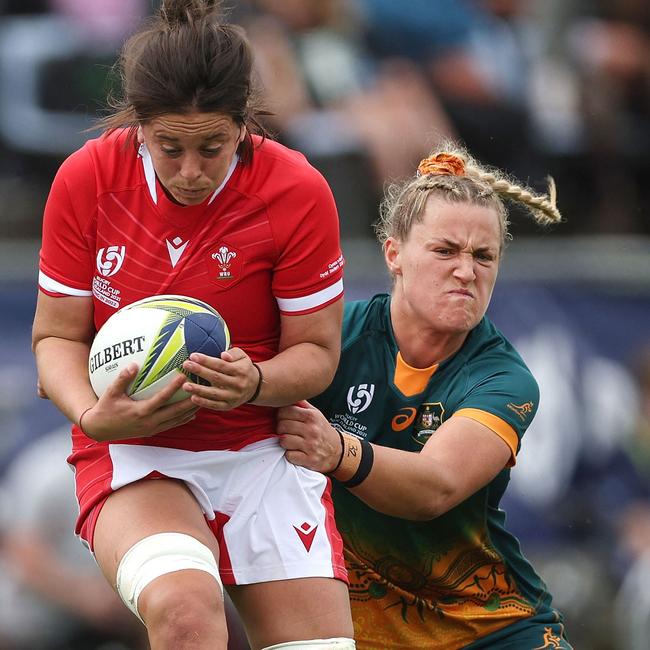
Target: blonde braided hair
x,y
542,206
453,175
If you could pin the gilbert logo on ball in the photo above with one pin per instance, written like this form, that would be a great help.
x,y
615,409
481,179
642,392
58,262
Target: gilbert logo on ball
x,y
158,334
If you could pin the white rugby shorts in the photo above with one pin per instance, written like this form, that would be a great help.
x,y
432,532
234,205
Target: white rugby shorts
x,y
273,520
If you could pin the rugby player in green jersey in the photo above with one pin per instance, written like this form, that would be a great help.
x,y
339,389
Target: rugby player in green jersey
x,y
423,422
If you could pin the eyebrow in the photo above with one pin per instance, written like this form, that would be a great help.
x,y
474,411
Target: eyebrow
x,y
442,241
453,244
208,138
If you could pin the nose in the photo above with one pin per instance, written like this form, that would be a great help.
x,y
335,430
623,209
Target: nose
x,y
191,168
464,269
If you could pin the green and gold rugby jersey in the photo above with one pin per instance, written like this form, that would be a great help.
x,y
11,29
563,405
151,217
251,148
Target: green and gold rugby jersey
x,y
446,582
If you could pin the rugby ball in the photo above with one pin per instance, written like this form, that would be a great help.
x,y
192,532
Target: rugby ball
x,y
158,334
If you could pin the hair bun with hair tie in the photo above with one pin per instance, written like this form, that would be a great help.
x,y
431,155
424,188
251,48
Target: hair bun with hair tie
x,y
446,164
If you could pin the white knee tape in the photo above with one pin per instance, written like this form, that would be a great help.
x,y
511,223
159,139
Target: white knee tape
x,y
340,643
157,555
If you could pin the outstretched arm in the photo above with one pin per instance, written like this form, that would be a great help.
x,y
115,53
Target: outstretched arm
x,y
458,460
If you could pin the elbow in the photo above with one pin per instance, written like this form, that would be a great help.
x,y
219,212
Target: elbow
x,y
37,337
331,363
421,491
324,378
433,504
419,504
425,513
40,332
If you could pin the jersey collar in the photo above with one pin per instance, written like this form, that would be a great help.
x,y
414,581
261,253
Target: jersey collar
x,y
150,174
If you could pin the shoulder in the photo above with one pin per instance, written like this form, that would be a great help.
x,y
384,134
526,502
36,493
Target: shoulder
x,y
107,153
487,344
497,377
366,318
492,353
369,310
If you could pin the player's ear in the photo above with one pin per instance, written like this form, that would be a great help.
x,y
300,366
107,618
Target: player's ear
x,y
140,134
392,256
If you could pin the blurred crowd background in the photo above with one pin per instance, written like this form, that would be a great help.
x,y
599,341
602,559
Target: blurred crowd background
x,y
365,88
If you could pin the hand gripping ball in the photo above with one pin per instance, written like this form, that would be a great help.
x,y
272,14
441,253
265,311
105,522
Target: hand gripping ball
x,y
158,334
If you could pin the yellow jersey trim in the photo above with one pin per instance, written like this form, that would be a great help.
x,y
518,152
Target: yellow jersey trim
x,y
411,381
496,424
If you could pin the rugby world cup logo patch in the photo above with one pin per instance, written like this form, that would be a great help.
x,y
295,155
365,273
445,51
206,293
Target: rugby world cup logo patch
x,y
110,260
360,397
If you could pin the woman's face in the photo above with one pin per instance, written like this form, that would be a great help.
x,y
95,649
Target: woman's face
x,y
445,270
191,152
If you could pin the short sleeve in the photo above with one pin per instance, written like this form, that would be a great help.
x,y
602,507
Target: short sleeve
x,y
309,272
66,257
504,396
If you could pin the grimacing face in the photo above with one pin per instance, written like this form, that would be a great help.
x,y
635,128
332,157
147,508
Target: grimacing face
x,y
445,270
191,152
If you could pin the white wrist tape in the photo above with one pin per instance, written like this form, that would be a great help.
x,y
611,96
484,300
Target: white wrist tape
x,y
339,643
157,555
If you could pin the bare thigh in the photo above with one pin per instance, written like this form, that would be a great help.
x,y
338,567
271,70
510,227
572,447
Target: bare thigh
x,y
142,509
181,609
293,610
146,508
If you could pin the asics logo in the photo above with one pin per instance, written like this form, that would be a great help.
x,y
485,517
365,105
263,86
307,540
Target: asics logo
x,y
110,260
359,397
404,419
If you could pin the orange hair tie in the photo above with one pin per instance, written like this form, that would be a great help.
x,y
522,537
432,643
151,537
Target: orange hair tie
x,y
443,163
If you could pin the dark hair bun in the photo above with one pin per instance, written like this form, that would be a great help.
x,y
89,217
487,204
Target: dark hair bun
x,y
178,12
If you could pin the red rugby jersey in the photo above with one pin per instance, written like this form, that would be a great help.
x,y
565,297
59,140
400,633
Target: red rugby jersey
x,y
265,243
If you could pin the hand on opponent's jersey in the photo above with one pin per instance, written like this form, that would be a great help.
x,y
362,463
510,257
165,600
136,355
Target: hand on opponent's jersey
x,y
308,437
116,416
233,379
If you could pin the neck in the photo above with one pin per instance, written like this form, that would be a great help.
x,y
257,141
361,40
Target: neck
x,y
422,346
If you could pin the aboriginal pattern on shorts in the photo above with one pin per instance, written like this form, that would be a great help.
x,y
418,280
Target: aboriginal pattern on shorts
x,y
544,631
388,616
